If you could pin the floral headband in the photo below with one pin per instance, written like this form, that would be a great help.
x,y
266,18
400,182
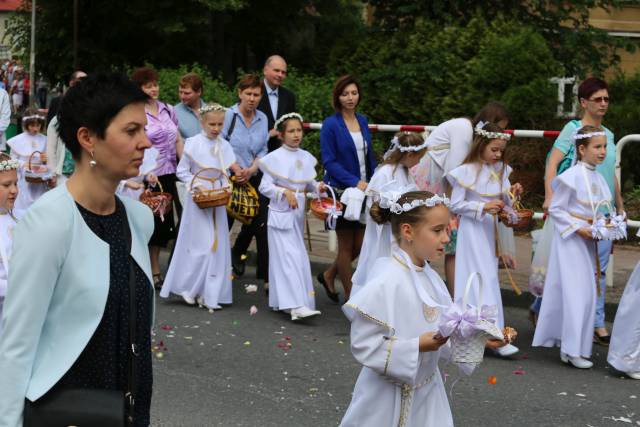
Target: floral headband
x,y
34,117
395,145
389,200
212,108
8,165
286,117
490,135
576,136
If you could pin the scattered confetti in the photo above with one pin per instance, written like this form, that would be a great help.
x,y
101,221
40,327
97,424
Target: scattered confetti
x,y
563,393
211,310
492,380
340,342
633,396
188,338
581,395
312,293
519,372
234,323
250,288
243,257
159,355
247,343
253,310
623,419
166,327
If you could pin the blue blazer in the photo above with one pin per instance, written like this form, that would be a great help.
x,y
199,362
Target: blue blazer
x,y
339,155
57,292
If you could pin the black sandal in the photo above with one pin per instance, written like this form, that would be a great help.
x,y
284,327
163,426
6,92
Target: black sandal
x,y
158,280
333,296
603,340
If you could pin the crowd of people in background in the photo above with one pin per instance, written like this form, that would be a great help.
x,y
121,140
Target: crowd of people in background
x,y
432,195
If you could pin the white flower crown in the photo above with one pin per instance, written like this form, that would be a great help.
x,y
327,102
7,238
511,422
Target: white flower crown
x,y
576,136
395,145
490,135
8,165
211,108
389,200
286,117
35,116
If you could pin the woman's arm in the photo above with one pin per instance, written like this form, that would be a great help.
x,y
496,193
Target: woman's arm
x,y
550,173
179,144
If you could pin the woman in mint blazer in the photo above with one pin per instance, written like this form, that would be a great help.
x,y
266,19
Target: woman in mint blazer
x,y
66,309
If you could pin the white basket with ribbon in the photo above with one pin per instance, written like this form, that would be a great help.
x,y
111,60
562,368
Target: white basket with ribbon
x,y
327,209
611,227
469,326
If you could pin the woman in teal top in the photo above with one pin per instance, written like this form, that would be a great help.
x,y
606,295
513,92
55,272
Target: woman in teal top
x,y
593,95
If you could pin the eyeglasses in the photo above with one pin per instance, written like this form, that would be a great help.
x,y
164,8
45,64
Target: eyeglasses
x,y
600,99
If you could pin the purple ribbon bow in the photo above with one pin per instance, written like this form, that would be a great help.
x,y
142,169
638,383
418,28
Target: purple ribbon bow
x,y
463,322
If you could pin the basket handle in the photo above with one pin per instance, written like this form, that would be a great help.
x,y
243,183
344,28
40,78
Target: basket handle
x,y
31,157
208,179
160,186
468,287
333,195
602,202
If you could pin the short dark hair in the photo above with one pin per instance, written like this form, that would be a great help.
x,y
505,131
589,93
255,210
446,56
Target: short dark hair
x,y
590,86
193,80
143,75
249,81
339,87
32,116
93,103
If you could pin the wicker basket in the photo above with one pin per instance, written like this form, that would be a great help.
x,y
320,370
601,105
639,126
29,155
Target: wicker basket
x,y
471,350
321,206
36,173
525,217
214,197
160,202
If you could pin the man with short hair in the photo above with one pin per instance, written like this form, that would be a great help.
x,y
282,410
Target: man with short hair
x,y
276,100
188,109
54,105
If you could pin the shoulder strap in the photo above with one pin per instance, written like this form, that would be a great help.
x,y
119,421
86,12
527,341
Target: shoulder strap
x,y
231,127
131,380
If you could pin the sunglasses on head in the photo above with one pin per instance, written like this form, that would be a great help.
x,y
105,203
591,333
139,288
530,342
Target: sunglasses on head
x,y
600,99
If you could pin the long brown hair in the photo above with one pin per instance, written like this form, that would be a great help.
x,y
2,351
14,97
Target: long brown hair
x,y
405,139
479,144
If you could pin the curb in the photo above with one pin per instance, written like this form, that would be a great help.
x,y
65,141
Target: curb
x,y
509,297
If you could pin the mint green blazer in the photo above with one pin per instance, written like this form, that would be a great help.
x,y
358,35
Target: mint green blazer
x,y
56,295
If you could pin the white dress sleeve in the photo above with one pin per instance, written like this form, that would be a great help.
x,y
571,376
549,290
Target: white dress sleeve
x,y
559,210
183,170
268,187
375,348
461,206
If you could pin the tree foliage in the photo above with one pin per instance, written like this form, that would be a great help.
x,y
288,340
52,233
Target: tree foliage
x,y
564,24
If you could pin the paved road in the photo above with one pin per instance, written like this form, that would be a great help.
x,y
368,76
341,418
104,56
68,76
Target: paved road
x,y
234,369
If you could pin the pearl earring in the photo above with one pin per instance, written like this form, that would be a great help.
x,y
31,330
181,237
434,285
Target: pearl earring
x,y
92,162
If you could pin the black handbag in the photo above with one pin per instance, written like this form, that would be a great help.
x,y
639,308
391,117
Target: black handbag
x,y
91,407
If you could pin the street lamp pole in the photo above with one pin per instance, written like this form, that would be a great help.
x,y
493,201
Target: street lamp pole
x,y
32,56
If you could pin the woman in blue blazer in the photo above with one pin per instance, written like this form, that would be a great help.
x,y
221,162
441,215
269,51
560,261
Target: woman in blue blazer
x,y
349,161
66,312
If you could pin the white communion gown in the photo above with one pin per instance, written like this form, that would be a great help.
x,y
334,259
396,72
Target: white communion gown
x,y
201,263
624,349
473,186
377,237
398,385
568,307
149,164
290,280
22,146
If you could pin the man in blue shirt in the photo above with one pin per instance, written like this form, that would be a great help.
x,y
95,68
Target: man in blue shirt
x,y
188,109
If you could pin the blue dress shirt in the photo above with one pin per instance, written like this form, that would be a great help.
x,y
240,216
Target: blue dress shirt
x,y
248,143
